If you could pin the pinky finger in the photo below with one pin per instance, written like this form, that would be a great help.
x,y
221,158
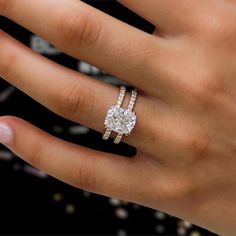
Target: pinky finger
x,y
91,170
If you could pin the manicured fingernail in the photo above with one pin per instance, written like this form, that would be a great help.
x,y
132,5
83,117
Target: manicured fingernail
x,y
6,134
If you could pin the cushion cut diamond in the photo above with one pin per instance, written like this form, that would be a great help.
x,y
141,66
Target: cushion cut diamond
x,y
120,120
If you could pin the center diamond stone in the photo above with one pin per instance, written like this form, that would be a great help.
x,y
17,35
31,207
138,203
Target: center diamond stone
x,y
120,120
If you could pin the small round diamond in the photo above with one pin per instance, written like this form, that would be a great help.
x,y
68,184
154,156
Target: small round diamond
x,y
120,120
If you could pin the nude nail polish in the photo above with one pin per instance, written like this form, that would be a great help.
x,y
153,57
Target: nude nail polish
x,y
6,134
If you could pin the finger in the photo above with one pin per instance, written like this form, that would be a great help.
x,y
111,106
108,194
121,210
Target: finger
x,y
84,168
70,94
91,35
170,16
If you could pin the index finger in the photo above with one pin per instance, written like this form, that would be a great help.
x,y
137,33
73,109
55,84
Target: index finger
x,y
91,35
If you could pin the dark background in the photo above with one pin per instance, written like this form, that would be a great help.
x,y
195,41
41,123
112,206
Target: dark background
x,y
31,202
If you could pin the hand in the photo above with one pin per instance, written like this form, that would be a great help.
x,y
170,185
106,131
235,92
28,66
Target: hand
x,y
186,76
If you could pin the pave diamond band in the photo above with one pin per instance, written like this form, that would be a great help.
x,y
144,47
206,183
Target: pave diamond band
x,y
121,96
119,119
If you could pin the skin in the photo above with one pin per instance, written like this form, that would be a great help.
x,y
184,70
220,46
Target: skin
x,y
185,74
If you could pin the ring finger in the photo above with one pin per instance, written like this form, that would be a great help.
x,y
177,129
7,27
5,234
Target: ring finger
x,y
73,95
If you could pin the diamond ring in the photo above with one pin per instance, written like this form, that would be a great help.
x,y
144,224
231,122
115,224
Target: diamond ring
x,y
120,120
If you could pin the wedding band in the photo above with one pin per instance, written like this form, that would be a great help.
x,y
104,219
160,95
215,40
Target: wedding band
x,y
119,102
120,120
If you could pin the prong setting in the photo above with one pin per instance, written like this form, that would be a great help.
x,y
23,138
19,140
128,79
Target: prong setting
x,y
120,120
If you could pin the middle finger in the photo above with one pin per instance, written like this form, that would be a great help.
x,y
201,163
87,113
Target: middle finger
x,y
95,37
171,17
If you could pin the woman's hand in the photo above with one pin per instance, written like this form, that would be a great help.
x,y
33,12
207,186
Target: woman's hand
x,y
186,76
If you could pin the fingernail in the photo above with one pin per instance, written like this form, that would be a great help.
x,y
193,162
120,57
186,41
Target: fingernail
x,y
6,134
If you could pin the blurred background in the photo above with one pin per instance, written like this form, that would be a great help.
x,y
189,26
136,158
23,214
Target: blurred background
x,y
31,202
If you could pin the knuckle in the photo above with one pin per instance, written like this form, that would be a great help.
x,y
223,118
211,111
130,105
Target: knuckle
x,y
73,101
80,29
4,5
84,175
36,153
198,146
178,187
186,191
8,64
217,25
207,91
9,58
210,87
